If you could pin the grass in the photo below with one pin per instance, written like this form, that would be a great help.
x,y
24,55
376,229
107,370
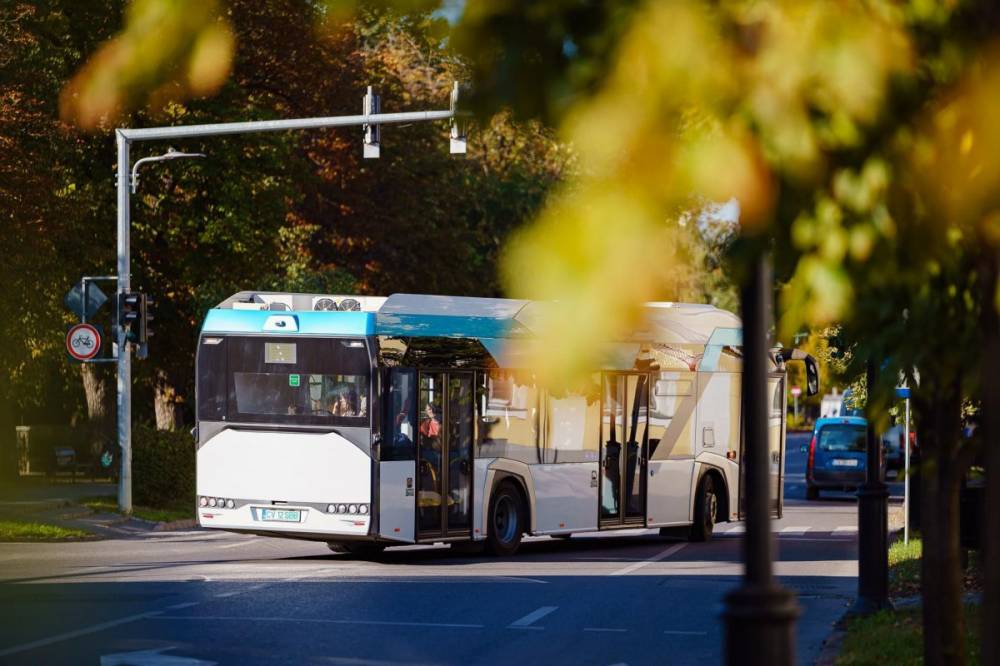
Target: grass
x,y
904,567
19,530
109,504
896,637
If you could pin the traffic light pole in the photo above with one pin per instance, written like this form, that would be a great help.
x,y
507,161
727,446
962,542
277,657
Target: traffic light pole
x,y
124,385
125,137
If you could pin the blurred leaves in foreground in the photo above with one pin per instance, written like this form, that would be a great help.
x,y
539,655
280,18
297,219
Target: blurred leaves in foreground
x,y
717,101
168,50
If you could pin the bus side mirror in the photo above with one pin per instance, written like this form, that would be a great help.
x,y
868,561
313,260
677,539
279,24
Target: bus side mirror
x,y
812,376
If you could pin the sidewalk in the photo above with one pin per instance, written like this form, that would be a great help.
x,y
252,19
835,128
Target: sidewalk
x,y
58,504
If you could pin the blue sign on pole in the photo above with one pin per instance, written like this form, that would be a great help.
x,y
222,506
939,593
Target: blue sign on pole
x,y
902,391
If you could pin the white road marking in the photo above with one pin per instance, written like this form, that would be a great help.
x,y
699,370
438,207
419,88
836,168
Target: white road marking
x,y
655,558
685,633
227,594
186,604
385,623
532,617
76,633
241,542
845,529
795,530
151,658
604,629
736,529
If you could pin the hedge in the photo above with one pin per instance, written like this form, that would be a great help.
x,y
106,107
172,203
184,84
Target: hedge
x,y
163,473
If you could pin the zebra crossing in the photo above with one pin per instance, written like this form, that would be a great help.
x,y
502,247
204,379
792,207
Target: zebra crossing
x,y
794,531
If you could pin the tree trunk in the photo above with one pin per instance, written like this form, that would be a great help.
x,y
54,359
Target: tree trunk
x,y
941,571
96,388
167,403
990,391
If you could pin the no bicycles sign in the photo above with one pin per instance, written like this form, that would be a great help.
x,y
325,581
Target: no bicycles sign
x,y
83,342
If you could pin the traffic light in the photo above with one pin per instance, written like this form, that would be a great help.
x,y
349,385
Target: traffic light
x,y
129,314
145,317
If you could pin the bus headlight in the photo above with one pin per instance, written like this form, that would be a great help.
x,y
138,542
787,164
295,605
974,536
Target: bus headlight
x,y
353,508
203,501
342,508
332,508
211,501
230,504
363,509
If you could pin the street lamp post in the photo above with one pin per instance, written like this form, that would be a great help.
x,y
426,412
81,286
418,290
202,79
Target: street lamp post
x,y
873,527
125,137
760,614
128,180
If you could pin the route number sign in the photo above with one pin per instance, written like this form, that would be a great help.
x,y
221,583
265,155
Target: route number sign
x,y
796,391
83,342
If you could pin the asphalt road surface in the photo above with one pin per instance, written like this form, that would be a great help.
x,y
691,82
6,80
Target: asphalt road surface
x,y
200,597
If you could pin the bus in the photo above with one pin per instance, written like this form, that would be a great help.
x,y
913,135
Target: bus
x,y
368,422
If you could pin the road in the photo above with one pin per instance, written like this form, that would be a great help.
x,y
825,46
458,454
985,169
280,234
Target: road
x,y
203,597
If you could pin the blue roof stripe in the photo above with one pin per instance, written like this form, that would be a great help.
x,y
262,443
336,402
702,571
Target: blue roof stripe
x,y
308,323
420,325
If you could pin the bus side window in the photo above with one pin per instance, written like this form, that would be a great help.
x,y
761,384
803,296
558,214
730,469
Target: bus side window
x,y
400,416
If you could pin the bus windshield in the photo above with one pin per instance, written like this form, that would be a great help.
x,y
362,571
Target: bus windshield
x,y
309,381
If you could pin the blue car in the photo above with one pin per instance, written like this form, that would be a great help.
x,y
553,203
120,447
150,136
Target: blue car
x,y
836,455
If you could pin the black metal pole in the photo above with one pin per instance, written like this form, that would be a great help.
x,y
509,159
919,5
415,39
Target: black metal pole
x,y
873,523
759,615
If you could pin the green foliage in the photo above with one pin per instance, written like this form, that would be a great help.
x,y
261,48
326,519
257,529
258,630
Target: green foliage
x,y
18,530
163,468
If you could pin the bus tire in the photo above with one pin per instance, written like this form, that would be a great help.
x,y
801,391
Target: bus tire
x,y
506,520
706,506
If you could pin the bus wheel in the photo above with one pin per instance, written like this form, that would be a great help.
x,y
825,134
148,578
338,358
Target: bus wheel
x,y
705,507
506,514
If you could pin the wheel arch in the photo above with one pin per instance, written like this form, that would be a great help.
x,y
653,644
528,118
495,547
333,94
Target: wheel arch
x,y
722,491
507,470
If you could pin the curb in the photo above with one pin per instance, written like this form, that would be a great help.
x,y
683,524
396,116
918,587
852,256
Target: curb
x,y
183,524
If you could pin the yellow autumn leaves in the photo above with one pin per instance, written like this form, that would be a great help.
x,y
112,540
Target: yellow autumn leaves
x,y
168,50
712,101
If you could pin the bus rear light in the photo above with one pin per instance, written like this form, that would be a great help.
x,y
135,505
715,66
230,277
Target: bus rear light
x,y
203,501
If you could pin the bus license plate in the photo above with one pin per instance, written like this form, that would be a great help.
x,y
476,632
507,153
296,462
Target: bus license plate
x,y
281,515
845,462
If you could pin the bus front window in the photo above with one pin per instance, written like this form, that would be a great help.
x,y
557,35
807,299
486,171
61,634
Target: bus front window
x,y
295,394
284,380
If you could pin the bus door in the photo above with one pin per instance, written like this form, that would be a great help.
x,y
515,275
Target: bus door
x,y
444,454
775,447
624,421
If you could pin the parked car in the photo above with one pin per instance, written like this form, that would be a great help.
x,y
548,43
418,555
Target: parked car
x,y
892,446
836,455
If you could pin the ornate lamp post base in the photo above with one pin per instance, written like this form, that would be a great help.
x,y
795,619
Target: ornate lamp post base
x,y
760,625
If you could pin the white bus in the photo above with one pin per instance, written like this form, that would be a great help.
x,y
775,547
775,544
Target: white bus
x,y
367,422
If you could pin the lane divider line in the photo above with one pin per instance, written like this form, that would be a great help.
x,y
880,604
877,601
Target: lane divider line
x,y
76,633
308,620
655,558
605,629
532,617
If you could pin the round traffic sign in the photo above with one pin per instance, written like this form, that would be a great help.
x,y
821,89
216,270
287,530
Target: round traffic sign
x,y
796,391
83,342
